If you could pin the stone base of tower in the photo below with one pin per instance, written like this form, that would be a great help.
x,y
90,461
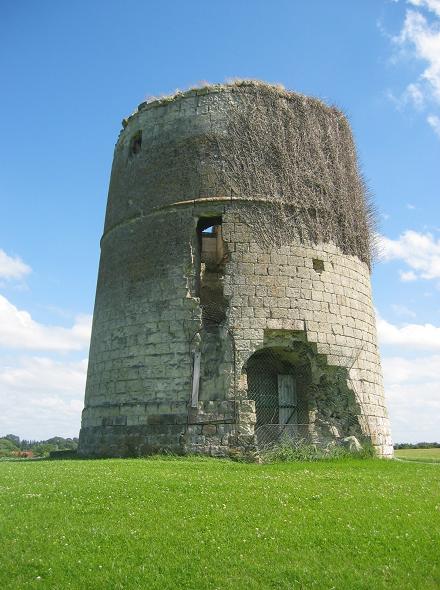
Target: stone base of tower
x,y
214,428
222,429
129,441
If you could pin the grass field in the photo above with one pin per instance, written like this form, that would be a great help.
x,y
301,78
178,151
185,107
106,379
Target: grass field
x,y
213,524
425,455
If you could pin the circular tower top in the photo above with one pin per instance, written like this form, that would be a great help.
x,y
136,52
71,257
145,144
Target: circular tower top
x,y
250,143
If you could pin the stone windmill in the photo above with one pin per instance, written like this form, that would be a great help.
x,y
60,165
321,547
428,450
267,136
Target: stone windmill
x,y
233,302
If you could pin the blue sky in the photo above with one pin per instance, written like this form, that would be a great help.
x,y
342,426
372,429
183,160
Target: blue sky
x,y
71,71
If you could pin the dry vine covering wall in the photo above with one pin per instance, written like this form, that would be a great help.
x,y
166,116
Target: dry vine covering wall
x,y
297,156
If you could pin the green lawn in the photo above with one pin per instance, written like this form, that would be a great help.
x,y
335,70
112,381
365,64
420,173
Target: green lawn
x,y
212,524
425,455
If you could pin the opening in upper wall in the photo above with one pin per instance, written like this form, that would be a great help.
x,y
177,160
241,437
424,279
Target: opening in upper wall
x,y
212,251
210,261
135,144
318,265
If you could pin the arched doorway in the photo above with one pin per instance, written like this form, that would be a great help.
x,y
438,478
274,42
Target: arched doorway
x,y
277,381
299,397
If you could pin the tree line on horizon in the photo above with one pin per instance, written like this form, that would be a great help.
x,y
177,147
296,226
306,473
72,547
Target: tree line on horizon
x,y
419,445
12,446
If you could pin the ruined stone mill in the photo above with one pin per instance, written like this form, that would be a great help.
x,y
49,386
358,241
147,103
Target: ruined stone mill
x,y
233,305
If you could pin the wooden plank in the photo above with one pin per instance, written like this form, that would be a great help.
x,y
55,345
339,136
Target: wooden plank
x,y
196,380
287,399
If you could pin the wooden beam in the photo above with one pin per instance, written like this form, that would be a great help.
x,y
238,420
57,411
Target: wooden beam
x,y
196,380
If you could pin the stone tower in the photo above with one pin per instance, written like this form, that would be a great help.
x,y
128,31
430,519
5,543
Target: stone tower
x,y
233,299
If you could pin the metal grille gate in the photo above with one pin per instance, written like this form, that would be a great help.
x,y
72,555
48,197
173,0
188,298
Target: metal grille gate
x,y
272,384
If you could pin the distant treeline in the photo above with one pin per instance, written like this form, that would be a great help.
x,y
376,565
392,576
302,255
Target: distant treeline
x,y
12,446
420,445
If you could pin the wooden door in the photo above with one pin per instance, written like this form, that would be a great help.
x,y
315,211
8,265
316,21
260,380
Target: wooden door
x,y
287,399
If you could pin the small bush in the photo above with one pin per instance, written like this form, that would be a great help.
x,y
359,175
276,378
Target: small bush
x,y
64,454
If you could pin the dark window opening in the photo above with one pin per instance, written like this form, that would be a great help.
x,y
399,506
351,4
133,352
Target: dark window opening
x,y
318,265
210,262
135,143
205,224
211,245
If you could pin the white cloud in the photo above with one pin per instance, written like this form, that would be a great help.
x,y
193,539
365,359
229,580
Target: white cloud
x,y
407,276
423,38
414,410
434,121
402,310
42,375
409,336
19,330
415,95
412,388
421,252
41,397
397,369
12,267
420,39
433,5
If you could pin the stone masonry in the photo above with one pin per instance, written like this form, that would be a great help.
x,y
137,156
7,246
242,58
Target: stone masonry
x,y
191,296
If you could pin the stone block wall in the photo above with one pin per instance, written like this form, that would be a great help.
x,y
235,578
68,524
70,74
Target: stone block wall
x,y
274,292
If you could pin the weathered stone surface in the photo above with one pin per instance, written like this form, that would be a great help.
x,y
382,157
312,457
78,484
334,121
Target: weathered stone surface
x,y
148,319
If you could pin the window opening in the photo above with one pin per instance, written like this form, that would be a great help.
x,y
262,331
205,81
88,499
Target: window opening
x,y
135,143
210,262
318,265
